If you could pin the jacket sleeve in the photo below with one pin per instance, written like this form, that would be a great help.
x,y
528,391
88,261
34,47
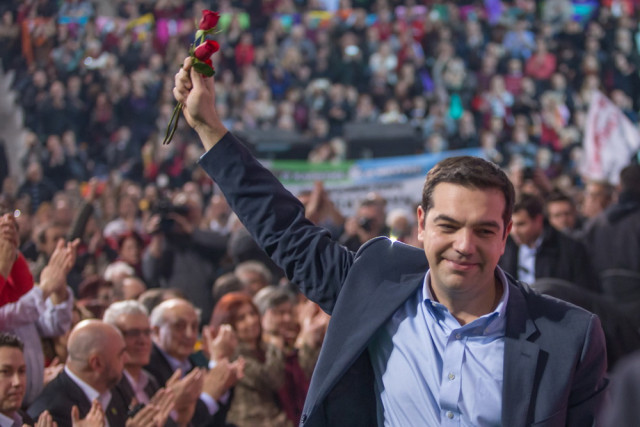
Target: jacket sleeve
x,y
55,320
589,383
24,311
276,220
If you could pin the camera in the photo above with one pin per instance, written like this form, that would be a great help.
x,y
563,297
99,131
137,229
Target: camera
x,y
166,210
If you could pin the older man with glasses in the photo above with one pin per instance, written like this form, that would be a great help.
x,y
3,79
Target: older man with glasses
x,y
132,319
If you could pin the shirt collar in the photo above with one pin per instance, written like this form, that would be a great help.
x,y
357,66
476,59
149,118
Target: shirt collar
x,y
91,393
501,308
6,421
184,365
536,244
138,384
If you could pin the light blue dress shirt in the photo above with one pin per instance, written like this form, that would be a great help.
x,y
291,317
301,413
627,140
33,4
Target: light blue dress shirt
x,y
431,371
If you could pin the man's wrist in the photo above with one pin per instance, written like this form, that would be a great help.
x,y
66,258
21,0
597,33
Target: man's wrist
x,y
211,134
60,296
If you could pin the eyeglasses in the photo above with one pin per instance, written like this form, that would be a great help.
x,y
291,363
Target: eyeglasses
x,y
136,333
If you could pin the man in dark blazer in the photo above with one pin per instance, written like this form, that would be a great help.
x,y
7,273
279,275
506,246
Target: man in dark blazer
x,y
93,368
174,331
548,357
553,254
613,237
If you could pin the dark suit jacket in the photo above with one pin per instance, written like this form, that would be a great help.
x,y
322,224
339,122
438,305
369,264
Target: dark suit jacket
x,y
554,355
59,396
124,387
559,256
161,370
613,237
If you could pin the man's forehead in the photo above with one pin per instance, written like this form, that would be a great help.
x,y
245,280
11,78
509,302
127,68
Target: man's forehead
x,y
11,356
128,318
181,312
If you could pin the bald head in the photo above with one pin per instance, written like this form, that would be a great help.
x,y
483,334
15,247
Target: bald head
x,y
89,337
96,353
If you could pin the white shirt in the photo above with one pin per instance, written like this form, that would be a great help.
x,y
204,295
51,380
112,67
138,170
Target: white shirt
x,y
5,421
139,386
527,262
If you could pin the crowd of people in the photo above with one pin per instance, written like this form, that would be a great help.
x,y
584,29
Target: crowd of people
x,y
109,224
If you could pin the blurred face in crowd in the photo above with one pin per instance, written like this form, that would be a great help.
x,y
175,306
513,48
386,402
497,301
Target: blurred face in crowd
x,y
132,288
247,324
178,332
279,320
130,251
526,230
13,379
596,199
252,280
561,214
136,331
50,238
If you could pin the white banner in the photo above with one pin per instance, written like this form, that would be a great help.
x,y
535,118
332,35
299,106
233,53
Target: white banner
x,y
610,139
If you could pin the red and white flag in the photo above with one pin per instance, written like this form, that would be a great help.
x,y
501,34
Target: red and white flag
x,y
610,139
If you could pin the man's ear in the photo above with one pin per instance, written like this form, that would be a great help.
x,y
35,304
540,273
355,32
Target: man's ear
x,y
507,230
422,217
95,362
155,332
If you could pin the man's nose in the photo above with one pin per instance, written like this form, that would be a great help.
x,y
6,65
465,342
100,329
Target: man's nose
x,y
16,379
464,242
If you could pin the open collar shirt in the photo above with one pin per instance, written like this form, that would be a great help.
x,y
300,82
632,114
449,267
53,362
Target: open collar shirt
x,y
431,371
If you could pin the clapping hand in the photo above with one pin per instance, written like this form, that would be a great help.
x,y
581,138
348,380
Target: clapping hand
x,y
8,243
53,279
94,418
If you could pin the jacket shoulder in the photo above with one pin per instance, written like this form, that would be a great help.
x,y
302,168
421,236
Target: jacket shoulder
x,y
390,256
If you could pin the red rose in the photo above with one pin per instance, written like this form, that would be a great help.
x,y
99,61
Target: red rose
x,y
206,49
209,20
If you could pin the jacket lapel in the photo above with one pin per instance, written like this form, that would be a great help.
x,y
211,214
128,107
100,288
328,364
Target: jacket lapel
x,y
520,361
353,325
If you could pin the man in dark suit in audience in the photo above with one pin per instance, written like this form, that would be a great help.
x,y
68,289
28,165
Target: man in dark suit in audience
x,y
94,366
613,237
131,318
537,250
174,331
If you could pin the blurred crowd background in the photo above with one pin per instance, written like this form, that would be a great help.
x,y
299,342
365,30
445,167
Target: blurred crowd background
x,y
87,97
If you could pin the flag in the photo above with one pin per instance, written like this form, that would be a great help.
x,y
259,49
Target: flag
x,y
610,140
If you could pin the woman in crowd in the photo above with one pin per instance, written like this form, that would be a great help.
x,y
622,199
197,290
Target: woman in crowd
x,y
255,399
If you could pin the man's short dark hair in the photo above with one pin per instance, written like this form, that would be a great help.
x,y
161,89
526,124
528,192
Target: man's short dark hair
x,y
557,195
10,340
530,203
470,172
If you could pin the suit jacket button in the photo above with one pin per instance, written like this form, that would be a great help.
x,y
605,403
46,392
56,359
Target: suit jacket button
x,y
304,418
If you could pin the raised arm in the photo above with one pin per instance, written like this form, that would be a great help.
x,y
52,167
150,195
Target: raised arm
x,y
273,216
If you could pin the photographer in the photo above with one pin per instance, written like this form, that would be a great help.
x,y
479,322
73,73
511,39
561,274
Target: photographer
x,y
182,254
368,223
